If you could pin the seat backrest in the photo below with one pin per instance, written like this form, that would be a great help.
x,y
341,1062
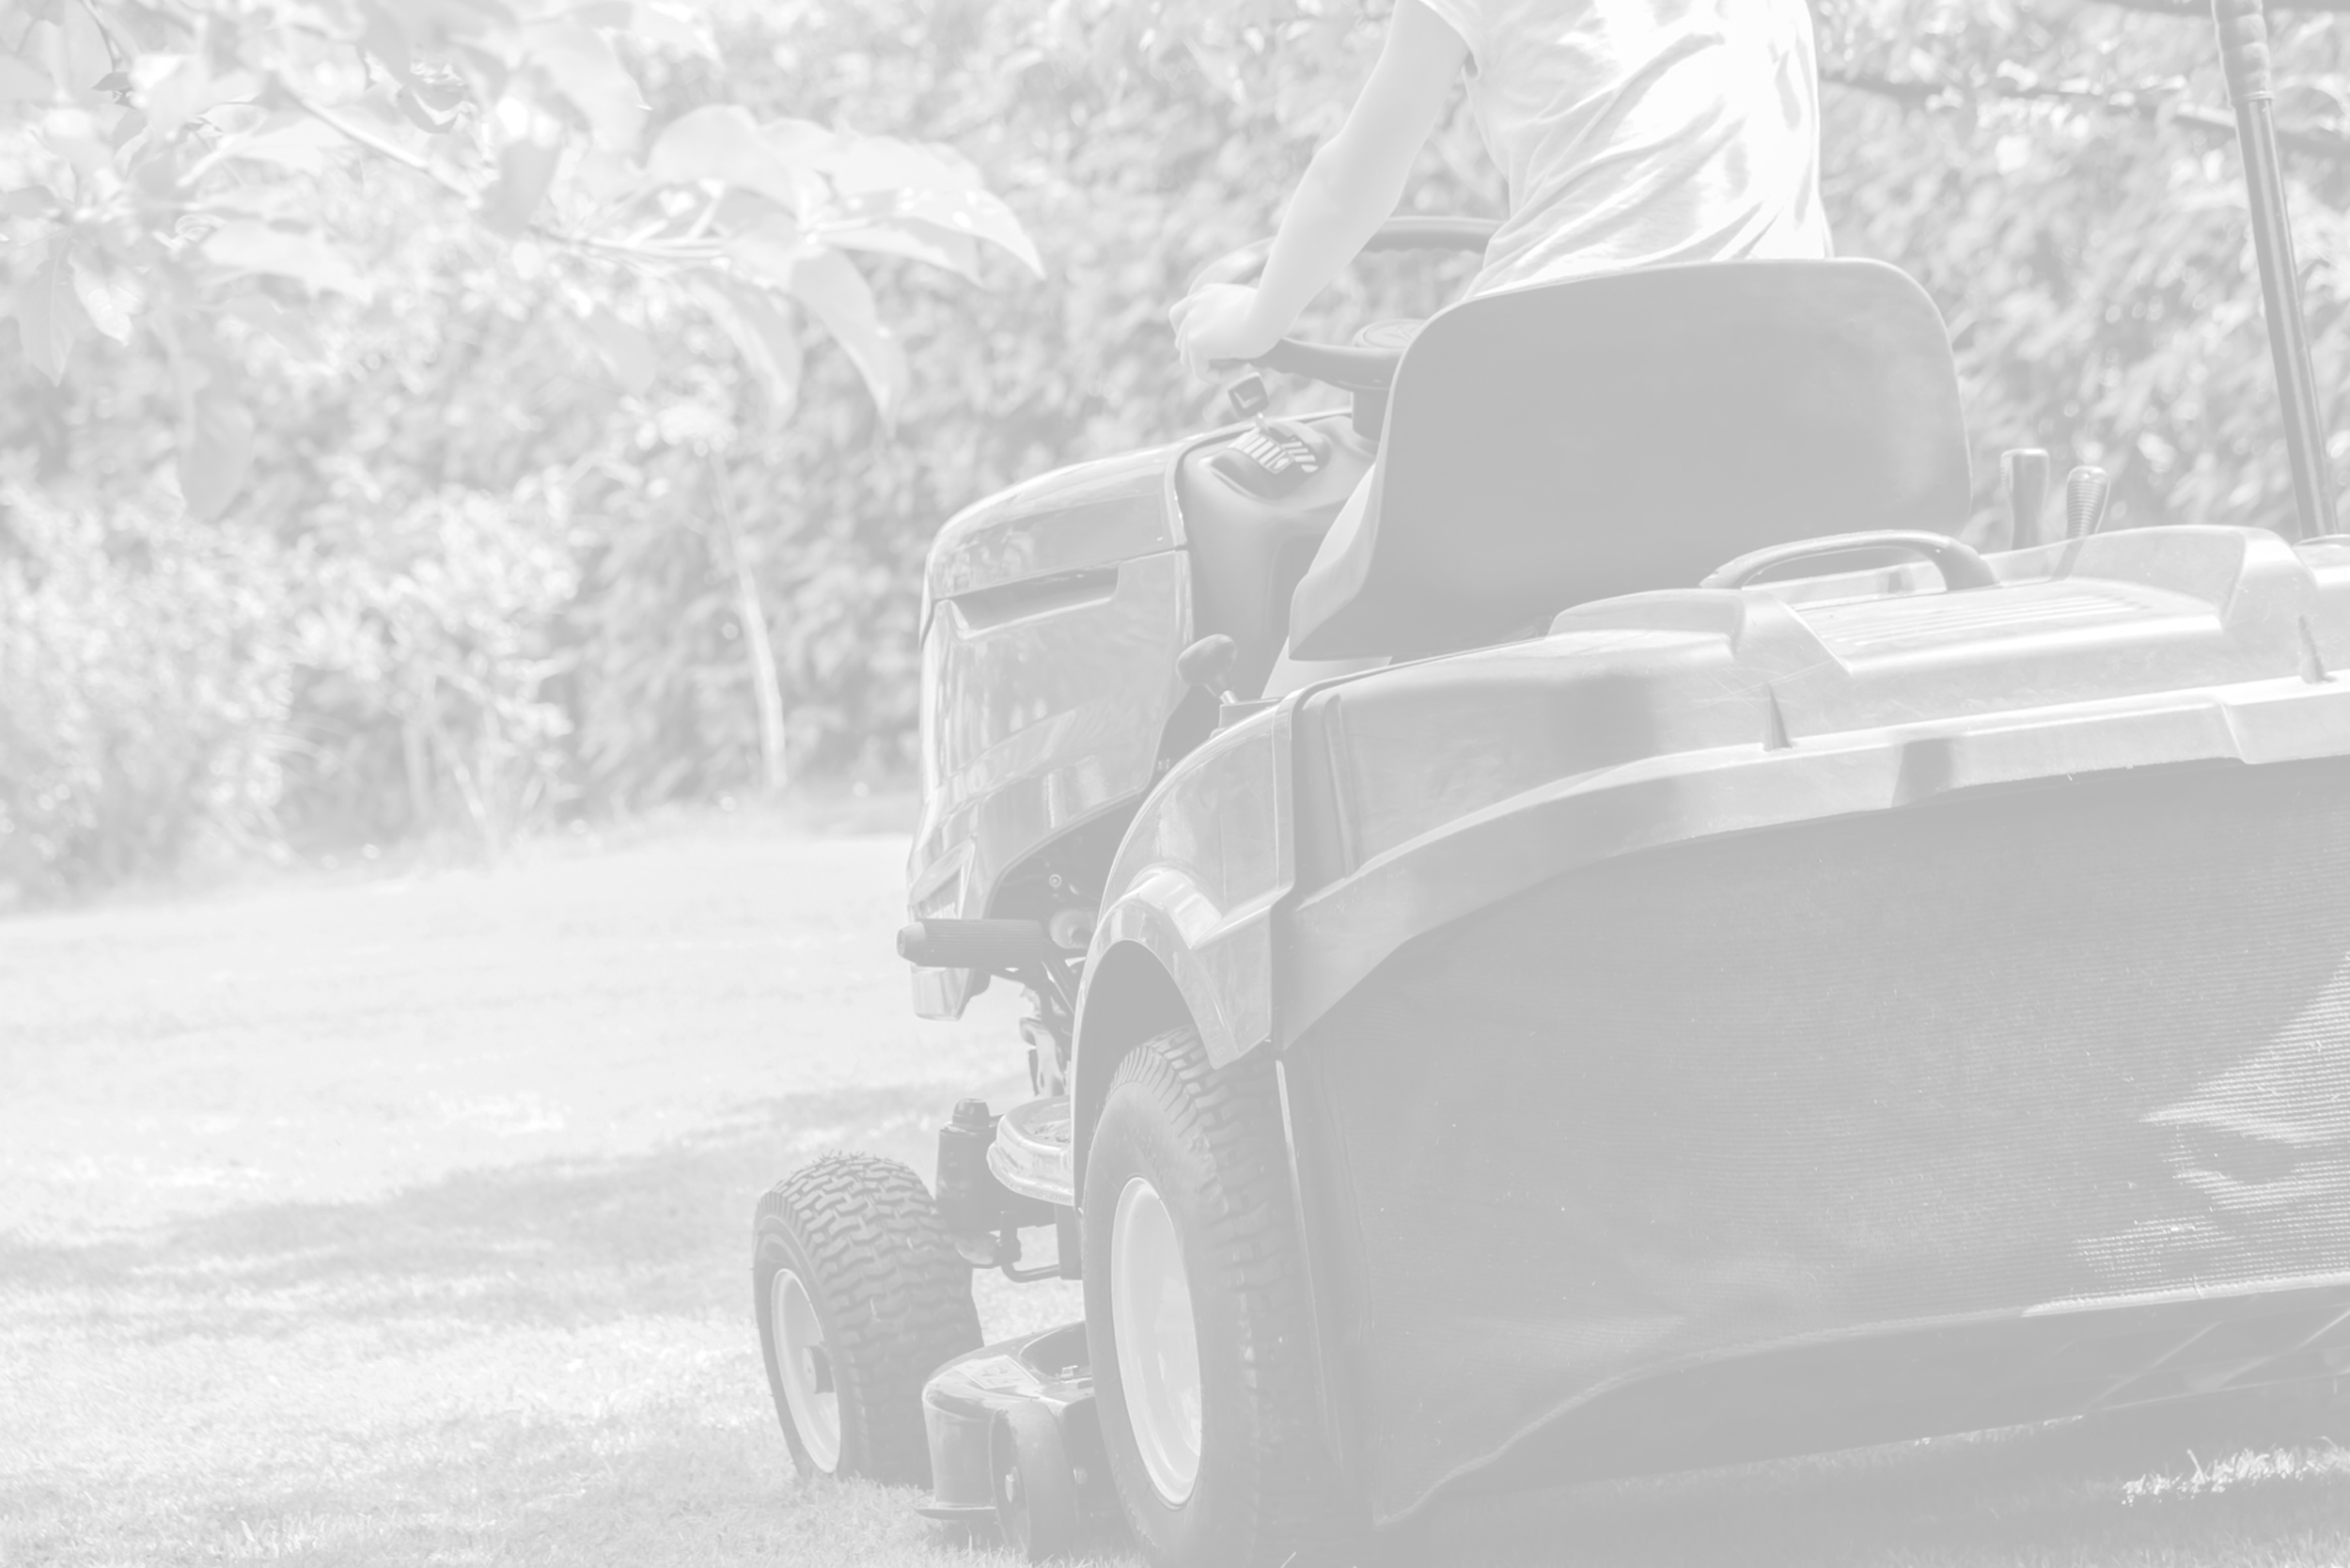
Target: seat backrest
x,y
1551,445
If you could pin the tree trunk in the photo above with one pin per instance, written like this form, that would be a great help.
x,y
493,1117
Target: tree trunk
x,y
415,758
766,691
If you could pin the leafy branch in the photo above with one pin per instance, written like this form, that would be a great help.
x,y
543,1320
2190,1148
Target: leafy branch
x,y
2202,8
2157,101
178,152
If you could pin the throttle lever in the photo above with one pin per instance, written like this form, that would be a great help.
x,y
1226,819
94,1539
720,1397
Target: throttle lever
x,y
1249,397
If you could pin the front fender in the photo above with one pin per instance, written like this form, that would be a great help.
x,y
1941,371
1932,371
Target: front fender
x,y
1219,960
1197,880
1197,886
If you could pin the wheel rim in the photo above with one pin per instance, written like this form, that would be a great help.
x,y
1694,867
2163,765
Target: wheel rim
x,y
806,1365
1158,1346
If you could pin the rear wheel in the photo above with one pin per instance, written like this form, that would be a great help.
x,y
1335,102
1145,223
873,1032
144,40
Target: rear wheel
x,y
860,1295
1197,1312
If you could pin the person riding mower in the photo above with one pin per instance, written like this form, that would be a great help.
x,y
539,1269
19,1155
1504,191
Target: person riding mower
x,y
1745,973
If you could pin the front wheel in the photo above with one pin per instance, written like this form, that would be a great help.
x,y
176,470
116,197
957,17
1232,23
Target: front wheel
x,y
1199,1320
860,1295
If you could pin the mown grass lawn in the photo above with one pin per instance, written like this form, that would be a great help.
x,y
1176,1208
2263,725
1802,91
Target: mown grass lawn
x,y
402,1218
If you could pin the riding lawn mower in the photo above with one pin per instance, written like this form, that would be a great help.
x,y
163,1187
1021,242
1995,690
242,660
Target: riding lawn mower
x,y
1724,969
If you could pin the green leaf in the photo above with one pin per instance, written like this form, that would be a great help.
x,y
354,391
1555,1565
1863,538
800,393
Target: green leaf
x,y
215,454
769,251
295,141
28,201
968,214
22,82
764,336
673,27
583,70
917,242
628,353
386,39
111,298
47,316
829,284
188,93
723,143
886,164
525,168
291,330
299,254
87,57
269,199
801,143
412,106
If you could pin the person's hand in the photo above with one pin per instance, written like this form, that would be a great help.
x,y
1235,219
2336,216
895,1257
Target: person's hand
x,y
1218,323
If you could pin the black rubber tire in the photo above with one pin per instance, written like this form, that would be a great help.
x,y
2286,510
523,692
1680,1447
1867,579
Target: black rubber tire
x,y
1209,1142
890,1292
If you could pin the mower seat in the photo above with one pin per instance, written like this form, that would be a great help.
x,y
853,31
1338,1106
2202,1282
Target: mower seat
x,y
1551,445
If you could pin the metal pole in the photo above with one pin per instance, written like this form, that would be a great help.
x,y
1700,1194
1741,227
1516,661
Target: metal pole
x,y
2244,50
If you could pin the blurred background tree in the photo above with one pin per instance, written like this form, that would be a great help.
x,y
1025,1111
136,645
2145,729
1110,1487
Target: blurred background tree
x,y
449,416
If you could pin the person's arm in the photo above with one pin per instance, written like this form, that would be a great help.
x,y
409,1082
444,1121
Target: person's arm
x,y
1349,190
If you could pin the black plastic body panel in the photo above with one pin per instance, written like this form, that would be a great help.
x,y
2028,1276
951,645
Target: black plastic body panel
x,y
962,1400
1247,552
1735,1113
1054,613
1293,876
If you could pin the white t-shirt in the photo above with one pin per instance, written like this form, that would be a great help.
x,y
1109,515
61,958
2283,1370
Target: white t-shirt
x,y
1639,133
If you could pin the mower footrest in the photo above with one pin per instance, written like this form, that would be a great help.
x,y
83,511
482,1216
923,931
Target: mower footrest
x,y
1030,1154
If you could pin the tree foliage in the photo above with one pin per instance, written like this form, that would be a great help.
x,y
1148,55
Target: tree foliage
x,y
361,282
472,411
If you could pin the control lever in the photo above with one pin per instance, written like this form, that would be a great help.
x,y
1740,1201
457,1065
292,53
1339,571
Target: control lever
x,y
1208,664
1249,397
2087,488
2026,469
1272,459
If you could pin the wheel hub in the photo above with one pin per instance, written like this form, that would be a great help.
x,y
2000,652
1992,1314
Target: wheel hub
x,y
808,1392
1158,1343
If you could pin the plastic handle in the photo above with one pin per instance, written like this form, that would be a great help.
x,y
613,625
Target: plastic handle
x,y
1961,568
2086,491
2243,48
2026,471
1208,663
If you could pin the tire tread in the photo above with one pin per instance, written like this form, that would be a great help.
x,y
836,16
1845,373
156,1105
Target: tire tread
x,y
1301,1510
893,1291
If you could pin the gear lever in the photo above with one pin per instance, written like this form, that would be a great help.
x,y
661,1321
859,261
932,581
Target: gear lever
x,y
2027,472
2086,491
1208,664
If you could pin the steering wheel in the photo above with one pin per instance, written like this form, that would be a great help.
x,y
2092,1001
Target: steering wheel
x,y
1366,366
